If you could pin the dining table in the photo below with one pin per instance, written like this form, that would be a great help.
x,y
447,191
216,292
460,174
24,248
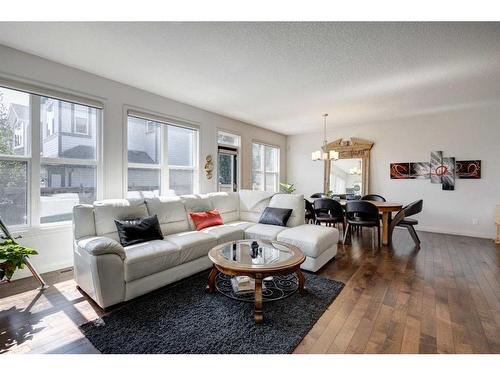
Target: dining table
x,y
386,209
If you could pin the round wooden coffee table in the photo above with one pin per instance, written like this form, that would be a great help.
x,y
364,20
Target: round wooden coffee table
x,y
263,259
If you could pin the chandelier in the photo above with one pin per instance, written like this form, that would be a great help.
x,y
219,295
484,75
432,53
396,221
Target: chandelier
x,y
322,154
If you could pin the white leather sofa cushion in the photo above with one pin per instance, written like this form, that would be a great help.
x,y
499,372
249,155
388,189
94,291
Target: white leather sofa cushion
x,y
195,203
240,224
228,205
147,258
252,203
263,232
83,220
106,211
225,233
311,239
171,214
293,201
100,245
193,244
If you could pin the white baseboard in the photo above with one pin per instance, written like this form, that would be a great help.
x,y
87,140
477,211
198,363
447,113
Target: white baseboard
x,y
446,231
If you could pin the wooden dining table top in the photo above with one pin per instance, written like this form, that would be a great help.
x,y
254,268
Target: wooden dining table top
x,y
382,206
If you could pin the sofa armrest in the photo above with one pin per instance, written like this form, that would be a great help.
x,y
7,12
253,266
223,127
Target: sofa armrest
x,y
101,245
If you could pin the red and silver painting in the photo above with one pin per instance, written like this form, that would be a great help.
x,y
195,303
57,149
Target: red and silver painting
x,y
468,169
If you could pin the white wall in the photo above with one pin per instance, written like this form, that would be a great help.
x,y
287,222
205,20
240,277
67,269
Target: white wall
x,y
55,246
467,134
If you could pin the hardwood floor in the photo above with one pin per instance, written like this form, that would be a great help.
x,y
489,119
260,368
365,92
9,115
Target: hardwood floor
x,y
443,298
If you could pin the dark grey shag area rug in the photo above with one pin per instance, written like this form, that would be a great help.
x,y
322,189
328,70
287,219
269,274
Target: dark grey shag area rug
x,y
183,318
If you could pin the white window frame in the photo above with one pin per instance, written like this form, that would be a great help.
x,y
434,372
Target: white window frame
x,y
262,168
33,153
164,166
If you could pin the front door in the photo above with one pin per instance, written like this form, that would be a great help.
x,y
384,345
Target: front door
x,y
227,169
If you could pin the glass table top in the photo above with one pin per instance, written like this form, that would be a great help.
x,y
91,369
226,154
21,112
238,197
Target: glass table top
x,y
255,252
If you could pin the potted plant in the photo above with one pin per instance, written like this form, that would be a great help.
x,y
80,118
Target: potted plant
x,y
12,257
287,188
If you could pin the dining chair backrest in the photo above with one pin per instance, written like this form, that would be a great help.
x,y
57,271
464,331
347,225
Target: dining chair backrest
x,y
310,214
352,197
309,206
362,208
373,197
328,205
319,195
409,210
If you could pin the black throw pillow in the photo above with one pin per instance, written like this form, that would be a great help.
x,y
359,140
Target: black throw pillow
x,y
275,216
138,230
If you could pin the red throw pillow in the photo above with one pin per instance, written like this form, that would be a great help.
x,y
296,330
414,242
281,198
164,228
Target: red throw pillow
x,y
206,219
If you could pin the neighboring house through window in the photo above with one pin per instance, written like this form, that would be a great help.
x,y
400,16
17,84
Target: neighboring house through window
x,y
82,119
162,158
63,172
19,135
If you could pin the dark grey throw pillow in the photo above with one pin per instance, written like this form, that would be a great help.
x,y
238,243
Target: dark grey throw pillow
x,y
275,216
138,230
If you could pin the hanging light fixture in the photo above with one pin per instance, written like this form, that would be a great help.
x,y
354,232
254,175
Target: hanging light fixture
x,y
322,154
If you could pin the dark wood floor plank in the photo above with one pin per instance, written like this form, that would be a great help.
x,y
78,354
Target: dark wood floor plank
x,y
441,298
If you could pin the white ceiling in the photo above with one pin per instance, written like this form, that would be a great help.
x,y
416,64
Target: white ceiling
x,y
284,76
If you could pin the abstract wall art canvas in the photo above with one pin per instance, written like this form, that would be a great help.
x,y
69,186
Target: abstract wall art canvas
x,y
448,174
400,171
440,170
468,169
420,170
436,166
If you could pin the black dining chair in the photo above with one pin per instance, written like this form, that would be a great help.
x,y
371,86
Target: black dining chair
x,y
310,215
373,197
361,214
328,211
376,198
319,195
402,219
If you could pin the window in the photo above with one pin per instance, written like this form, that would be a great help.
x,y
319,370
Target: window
x,y
15,107
265,167
157,170
182,144
228,139
63,170
144,156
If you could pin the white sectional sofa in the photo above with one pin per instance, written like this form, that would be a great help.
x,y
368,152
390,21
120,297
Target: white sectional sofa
x,y
110,273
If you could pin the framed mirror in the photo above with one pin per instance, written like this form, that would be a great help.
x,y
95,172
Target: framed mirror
x,y
350,174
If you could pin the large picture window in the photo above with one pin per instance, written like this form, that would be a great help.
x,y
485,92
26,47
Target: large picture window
x,y
44,171
162,158
265,167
